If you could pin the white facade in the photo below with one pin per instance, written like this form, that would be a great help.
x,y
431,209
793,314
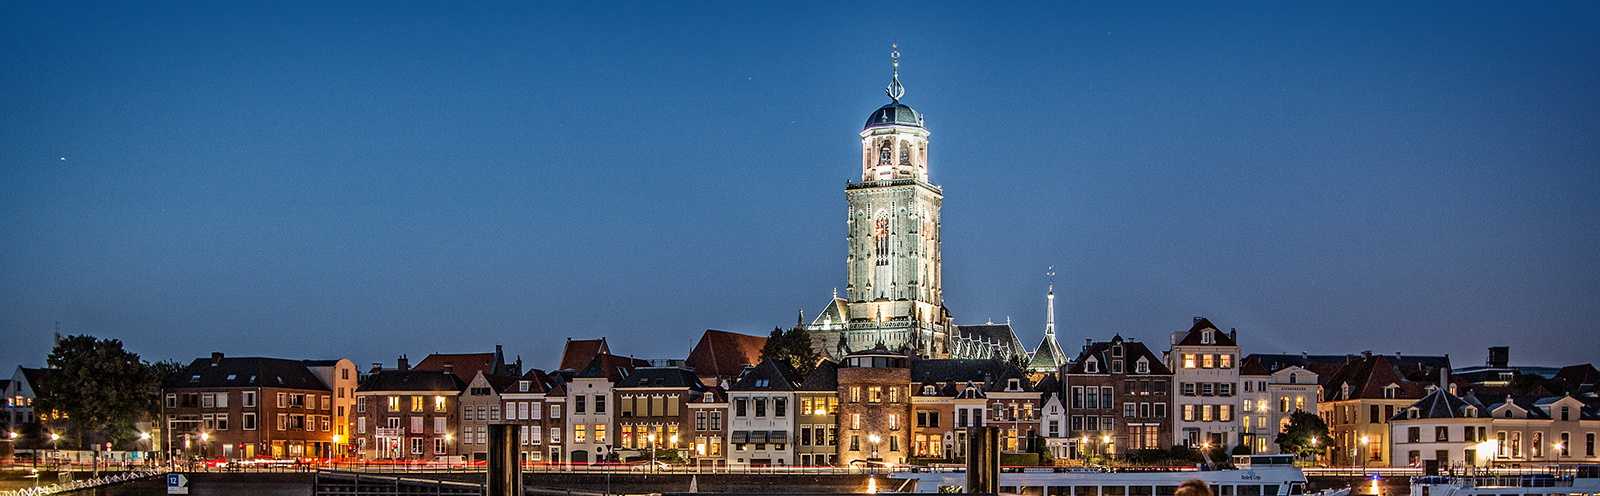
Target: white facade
x,y
763,412
589,429
1205,378
1269,400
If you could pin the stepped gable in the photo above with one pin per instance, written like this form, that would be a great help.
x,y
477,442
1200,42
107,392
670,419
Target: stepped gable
x,y
579,352
824,378
222,372
769,375
724,354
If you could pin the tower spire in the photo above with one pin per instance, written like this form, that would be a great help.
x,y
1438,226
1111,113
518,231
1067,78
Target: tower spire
x,y
1050,314
895,90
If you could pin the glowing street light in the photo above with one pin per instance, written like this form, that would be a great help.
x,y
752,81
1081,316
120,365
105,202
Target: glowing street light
x,y
874,439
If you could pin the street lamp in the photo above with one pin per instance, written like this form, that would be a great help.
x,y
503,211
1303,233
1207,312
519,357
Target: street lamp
x,y
874,439
1363,458
1107,441
53,449
145,437
652,438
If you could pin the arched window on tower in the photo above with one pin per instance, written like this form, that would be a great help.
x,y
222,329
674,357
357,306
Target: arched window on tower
x,y
880,234
885,153
905,153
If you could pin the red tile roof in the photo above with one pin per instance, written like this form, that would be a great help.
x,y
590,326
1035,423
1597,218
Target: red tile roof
x,y
464,365
724,354
578,353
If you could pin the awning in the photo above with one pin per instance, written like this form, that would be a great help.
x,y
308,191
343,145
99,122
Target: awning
x,y
778,437
741,437
758,437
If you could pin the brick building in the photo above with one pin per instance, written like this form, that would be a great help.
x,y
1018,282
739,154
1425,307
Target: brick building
x,y
407,414
1118,398
244,407
874,407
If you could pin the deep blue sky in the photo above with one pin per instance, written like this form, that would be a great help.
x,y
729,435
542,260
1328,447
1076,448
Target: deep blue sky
x,y
365,179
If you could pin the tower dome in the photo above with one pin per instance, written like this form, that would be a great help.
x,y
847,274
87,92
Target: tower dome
x,y
895,114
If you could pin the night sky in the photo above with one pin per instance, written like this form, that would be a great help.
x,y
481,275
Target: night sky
x,y
366,179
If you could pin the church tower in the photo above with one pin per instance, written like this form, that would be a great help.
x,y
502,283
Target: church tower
x,y
894,293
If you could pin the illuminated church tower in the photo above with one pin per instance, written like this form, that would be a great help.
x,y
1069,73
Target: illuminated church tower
x,y
894,292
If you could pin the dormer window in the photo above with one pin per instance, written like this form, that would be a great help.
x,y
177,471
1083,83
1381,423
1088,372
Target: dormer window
x,y
1389,392
1013,385
1142,366
1471,412
710,398
927,390
522,386
1091,366
1207,338
1509,414
1412,413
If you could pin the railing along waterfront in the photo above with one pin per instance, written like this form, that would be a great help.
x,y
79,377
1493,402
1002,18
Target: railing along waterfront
x,y
104,480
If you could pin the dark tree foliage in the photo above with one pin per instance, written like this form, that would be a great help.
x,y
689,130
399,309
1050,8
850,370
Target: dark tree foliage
x,y
97,386
1529,384
1306,434
792,347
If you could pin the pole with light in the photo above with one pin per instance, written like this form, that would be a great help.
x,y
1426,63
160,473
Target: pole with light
x,y
1362,454
874,439
145,437
54,454
652,438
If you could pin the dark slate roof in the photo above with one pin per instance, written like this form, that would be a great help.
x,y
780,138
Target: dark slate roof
x,y
246,372
413,380
538,382
778,376
824,378
724,354
1367,377
970,392
320,363
894,114
1218,338
1252,366
33,376
5,384
1131,352
662,377
611,367
1048,355
990,374
1529,403
1047,387
1276,362
1579,378
579,353
1441,404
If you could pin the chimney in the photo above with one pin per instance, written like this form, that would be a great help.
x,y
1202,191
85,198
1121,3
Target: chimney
x,y
1197,319
449,369
1499,357
1233,335
216,357
1444,378
1366,355
403,363
376,368
1398,356
1306,356
1086,343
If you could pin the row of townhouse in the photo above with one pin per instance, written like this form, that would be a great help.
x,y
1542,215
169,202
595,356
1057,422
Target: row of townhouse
x,y
244,407
1458,431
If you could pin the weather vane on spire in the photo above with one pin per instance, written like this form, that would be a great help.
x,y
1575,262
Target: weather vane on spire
x,y
1052,273
895,90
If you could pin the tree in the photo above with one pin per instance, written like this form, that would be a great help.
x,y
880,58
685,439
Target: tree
x,y
98,386
792,347
1306,434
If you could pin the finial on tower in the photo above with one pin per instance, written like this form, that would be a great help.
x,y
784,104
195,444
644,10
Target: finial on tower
x,y
1052,273
895,90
